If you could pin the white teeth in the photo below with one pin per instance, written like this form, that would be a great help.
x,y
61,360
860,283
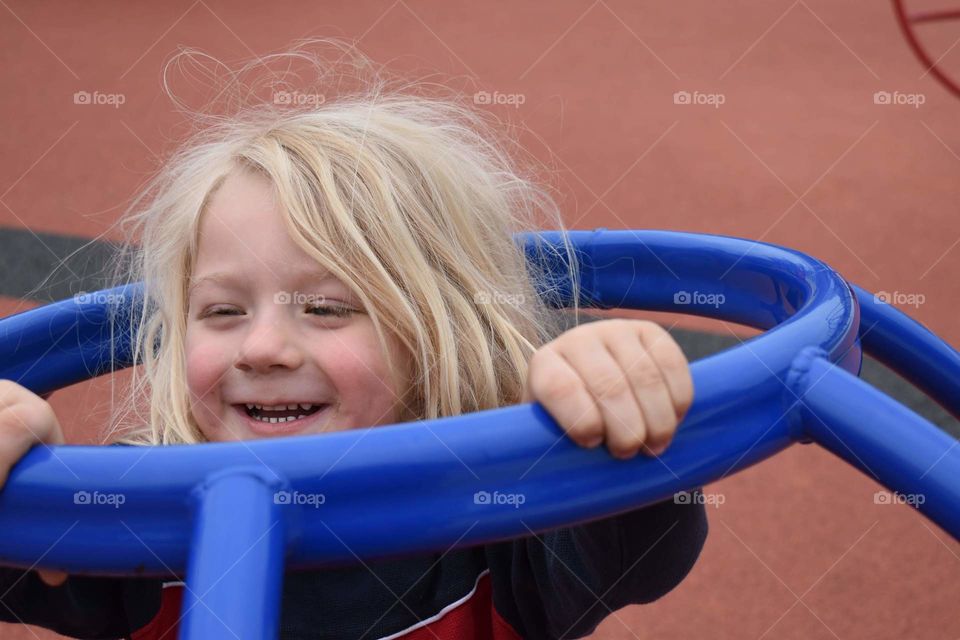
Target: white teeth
x,y
275,420
282,407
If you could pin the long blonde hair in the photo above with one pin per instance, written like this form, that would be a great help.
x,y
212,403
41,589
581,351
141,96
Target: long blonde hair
x,y
411,201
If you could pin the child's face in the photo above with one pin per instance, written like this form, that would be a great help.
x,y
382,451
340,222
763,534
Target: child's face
x,y
259,330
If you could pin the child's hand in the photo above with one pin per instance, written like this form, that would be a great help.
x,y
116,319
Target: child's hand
x,y
623,381
25,420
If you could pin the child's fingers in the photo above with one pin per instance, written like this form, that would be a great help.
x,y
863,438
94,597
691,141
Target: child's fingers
x,y
609,388
555,384
647,384
673,365
24,421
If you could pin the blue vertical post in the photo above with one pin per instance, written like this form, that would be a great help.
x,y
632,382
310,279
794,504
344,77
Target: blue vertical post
x,y
236,563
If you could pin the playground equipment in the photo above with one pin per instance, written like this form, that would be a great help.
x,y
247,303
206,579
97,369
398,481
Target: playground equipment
x,y
205,510
908,24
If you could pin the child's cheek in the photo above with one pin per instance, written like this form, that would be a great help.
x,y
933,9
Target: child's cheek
x,y
205,369
362,379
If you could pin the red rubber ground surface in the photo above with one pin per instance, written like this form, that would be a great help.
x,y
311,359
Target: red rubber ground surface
x,y
798,154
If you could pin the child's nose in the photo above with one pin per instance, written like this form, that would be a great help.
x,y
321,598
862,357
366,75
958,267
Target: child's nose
x,y
269,345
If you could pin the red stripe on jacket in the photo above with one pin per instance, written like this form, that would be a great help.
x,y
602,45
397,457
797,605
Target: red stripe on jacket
x,y
475,618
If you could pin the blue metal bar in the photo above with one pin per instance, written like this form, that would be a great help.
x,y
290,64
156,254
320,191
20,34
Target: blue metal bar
x,y
910,349
884,439
66,342
740,415
235,569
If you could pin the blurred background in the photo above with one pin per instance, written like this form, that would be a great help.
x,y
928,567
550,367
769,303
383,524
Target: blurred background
x,y
807,123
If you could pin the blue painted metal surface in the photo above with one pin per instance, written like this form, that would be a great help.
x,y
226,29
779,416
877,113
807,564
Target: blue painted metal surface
x,y
750,402
885,440
910,349
238,550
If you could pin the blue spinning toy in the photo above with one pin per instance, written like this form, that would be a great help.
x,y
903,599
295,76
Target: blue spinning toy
x,y
201,511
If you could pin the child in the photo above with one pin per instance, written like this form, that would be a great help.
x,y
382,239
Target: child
x,y
349,265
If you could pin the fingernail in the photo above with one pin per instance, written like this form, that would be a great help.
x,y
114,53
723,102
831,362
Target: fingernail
x,y
658,450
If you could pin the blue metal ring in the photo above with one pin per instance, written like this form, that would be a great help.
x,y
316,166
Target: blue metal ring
x,y
429,486
739,416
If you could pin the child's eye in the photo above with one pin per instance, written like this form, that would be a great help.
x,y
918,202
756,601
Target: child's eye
x,y
318,310
329,310
220,311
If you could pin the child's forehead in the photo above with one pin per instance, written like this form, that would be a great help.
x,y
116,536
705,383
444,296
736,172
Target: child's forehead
x,y
292,275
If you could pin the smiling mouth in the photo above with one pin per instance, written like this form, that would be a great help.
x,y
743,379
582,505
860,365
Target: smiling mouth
x,y
281,413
